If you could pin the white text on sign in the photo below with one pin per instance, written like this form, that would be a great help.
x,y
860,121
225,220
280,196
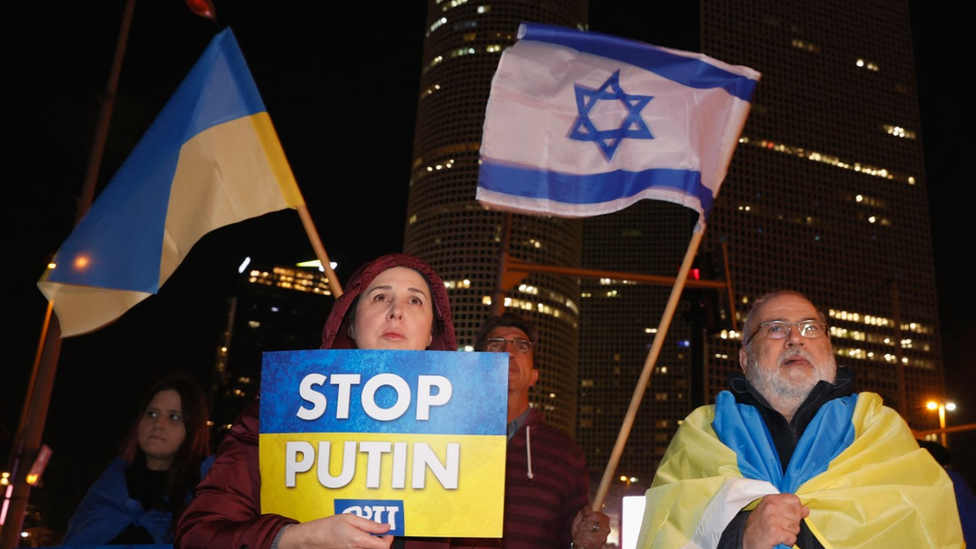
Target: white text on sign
x,y
300,457
432,390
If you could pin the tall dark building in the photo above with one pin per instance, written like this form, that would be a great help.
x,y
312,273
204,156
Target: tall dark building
x,y
449,229
619,321
826,194
275,308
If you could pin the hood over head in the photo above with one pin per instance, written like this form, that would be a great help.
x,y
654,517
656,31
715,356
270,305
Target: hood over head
x,y
335,335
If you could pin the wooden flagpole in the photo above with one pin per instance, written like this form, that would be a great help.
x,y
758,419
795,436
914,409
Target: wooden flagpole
x,y
645,377
313,237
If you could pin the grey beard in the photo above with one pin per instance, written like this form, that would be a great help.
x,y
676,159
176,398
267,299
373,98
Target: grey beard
x,y
782,384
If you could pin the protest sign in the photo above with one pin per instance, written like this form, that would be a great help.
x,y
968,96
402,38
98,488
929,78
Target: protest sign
x,y
415,439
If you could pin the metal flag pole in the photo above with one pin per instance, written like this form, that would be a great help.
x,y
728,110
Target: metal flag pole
x,y
498,295
645,377
27,441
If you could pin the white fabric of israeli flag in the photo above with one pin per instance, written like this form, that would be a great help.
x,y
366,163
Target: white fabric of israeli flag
x,y
581,124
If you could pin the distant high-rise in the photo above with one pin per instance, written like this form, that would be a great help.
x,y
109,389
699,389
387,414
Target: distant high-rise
x,y
275,308
618,323
826,194
449,229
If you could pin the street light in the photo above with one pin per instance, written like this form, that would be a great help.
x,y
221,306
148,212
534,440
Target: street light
x,y
941,407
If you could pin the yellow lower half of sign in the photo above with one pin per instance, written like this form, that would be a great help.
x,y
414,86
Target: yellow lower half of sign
x,y
424,485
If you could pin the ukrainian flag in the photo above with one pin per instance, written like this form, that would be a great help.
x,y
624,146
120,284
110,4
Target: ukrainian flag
x,y
211,158
857,467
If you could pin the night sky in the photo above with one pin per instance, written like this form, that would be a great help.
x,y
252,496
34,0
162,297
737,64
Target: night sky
x,y
341,90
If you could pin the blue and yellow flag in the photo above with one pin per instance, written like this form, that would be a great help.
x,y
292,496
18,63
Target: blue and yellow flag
x,y
211,158
414,439
858,469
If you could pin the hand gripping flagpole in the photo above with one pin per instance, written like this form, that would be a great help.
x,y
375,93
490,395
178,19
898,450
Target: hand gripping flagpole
x,y
645,377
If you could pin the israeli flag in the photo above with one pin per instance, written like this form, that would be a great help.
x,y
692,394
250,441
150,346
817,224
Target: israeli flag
x,y
581,124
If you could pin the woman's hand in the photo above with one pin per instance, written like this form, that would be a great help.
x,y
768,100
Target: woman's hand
x,y
343,531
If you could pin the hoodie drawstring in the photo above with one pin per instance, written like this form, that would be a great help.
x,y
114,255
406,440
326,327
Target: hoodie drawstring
x,y
528,450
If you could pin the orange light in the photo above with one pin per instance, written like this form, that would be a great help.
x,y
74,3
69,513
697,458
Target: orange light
x,y
203,8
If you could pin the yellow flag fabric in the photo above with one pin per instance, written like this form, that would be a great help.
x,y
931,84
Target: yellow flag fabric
x,y
210,159
882,491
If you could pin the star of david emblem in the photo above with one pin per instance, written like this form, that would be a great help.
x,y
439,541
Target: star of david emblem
x,y
631,127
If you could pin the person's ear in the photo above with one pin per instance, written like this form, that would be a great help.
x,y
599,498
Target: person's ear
x,y
535,377
743,359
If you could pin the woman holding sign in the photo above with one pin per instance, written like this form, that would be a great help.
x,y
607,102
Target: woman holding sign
x,y
395,302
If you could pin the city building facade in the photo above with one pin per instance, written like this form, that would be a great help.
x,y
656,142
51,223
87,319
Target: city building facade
x,y
826,194
447,227
275,308
827,191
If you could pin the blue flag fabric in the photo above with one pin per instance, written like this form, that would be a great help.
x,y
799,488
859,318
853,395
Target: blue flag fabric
x,y
581,124
859,471
828,434
211,158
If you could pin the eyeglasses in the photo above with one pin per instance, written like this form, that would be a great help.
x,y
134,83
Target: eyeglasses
x,y
498,345
780,329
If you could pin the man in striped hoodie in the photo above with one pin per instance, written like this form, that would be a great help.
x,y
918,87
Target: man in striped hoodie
x,y
546,483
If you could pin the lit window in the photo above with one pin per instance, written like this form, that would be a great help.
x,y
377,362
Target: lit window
x,y
438,23
898,131
831,160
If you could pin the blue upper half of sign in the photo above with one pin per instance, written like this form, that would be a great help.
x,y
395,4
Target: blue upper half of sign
x,y
402,392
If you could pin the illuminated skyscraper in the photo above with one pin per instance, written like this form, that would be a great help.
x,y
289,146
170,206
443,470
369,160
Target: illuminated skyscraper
x,y
619,320
449,229
275,308
826,195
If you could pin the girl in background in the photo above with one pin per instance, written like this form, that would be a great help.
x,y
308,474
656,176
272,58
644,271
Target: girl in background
x,y
144,491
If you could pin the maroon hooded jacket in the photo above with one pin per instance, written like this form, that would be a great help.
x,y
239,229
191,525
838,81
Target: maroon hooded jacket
x,y
227,509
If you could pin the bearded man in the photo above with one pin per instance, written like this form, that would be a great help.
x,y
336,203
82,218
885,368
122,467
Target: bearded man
x,y
791,456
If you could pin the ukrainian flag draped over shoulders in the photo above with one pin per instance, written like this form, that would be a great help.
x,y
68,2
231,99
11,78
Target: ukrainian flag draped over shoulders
x,y
211,158
875,487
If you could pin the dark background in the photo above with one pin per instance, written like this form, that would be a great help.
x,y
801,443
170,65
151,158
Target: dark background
x,y
341,88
